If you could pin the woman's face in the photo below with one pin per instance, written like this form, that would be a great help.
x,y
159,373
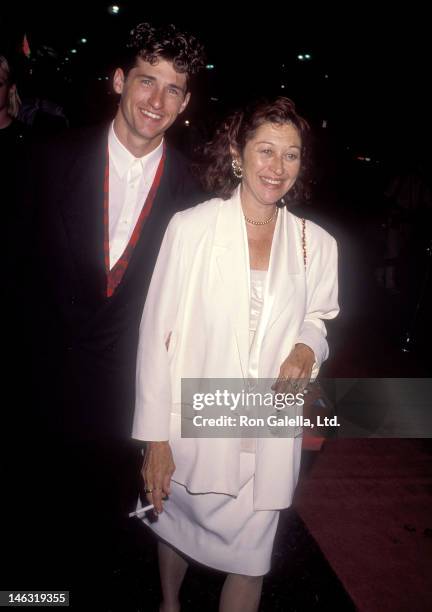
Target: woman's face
x,y
271,162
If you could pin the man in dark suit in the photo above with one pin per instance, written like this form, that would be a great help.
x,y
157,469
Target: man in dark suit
x,y
98,202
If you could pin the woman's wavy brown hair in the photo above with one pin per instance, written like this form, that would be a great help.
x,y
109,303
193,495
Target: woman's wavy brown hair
x,y
215,169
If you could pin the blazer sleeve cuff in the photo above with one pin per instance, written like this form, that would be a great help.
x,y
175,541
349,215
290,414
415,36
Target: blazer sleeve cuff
x,y
315,339
151,428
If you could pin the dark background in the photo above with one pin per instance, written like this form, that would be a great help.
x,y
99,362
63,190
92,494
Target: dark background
x,y
367,77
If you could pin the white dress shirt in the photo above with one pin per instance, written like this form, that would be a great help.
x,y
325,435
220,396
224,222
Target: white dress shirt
x,y
130,180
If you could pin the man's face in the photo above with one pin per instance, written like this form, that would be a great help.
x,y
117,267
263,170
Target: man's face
x,y
152,96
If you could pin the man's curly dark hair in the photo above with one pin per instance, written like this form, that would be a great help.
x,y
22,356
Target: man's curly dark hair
x,y
164,42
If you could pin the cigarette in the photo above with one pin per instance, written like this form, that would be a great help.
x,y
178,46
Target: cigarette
x,y
141,510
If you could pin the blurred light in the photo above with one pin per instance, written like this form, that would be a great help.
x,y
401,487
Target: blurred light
x,y
66,59
324,123
187,122
300,57
326,76
83,40
210,66
113,9
106,78
307,56
282,86
214,99
73,50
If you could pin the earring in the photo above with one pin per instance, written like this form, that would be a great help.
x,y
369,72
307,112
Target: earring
x,y
236,168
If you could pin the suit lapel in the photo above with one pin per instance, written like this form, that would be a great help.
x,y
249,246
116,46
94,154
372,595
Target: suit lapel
x,y
82,210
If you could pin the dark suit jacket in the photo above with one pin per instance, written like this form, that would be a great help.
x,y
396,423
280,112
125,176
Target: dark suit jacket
x,y
84,344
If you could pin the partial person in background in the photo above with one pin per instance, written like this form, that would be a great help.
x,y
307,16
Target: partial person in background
x,y
13,133
9,99
14,140
240,290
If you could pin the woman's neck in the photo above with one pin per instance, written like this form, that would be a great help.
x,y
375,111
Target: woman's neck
x,y
254,210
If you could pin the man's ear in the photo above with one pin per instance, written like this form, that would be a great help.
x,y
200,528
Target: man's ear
x,y
185,102
118,81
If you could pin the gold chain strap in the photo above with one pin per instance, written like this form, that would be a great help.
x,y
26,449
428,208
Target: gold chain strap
x,y
304,242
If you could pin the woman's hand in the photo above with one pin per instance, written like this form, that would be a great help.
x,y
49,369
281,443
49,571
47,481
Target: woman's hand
x,y
157,470
295,371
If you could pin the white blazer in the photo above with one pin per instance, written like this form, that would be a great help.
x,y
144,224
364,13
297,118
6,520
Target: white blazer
x,y
200,294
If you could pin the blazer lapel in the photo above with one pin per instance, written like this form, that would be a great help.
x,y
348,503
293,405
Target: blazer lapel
x,y
282,275
82,210
232,256
284,268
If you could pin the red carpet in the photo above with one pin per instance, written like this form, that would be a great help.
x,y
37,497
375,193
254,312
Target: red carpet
x,y
368,504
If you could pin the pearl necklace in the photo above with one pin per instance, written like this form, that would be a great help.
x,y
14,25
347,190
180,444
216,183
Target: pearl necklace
x,y
253,222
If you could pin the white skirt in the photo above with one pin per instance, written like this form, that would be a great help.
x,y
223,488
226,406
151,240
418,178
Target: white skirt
x,y
219,530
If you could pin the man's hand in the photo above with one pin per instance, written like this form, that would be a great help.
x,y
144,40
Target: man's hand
x,y
295,371
157,470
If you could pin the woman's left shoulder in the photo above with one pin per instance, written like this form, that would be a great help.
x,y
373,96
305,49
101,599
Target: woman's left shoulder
x,y
312,229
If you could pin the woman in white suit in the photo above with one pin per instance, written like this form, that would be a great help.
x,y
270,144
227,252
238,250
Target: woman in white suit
x,y
239,291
